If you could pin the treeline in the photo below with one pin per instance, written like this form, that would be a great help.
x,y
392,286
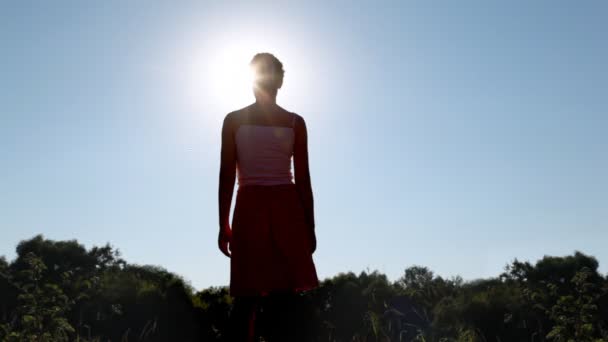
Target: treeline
x,y
60,291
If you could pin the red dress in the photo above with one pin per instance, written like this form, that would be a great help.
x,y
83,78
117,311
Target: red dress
x,y
273,221
271,243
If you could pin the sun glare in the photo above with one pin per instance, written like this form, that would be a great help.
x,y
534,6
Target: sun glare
x,y
230,76
221,79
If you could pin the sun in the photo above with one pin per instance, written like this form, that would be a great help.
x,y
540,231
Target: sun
x,y
230,76
220,79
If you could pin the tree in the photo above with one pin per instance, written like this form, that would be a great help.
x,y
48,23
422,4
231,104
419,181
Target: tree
x,y
40,315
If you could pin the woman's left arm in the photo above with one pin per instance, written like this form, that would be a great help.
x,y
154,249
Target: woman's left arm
x,y
302,177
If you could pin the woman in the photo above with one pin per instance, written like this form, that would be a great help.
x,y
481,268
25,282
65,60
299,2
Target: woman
x,y
272,236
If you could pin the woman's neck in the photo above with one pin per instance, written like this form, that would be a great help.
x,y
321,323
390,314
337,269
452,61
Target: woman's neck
x,y
265,99
266,104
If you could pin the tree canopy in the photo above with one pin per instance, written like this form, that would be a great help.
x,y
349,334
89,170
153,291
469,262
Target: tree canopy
x,y
62,291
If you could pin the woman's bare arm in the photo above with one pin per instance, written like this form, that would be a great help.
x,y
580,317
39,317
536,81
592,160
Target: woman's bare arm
x,y
302,175
226,183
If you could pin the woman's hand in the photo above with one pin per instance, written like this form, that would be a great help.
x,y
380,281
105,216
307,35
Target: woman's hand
x,y
313,241
223,240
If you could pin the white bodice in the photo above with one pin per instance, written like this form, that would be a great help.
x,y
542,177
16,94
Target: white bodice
x,y
264,154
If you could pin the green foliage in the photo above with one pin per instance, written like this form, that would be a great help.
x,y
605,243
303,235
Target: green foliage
x,y
40,314
61,291
426,289
576,315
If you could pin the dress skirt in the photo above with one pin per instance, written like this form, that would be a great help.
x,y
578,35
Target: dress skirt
x,y
271,242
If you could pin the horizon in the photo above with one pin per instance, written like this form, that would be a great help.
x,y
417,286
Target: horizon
x,y
457,137
337,274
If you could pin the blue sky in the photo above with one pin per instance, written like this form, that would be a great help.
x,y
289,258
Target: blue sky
x,y
455,135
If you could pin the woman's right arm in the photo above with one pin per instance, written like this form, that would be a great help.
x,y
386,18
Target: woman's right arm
x,y
226,186
302,175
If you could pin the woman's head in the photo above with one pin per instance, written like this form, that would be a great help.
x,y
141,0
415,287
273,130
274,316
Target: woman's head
x,y
268,73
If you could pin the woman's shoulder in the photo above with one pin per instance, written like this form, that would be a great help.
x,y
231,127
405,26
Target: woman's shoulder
x,y
299,121
280,117
237,115
296,118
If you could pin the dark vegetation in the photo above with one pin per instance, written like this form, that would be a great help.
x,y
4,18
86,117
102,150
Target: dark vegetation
x,y
60,291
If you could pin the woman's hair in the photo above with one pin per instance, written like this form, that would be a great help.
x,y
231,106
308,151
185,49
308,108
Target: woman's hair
x,y
268,71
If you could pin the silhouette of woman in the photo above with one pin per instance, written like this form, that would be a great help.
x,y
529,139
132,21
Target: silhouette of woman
x,y
272,236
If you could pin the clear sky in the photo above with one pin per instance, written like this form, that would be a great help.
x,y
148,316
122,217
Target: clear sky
x,y
455,135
